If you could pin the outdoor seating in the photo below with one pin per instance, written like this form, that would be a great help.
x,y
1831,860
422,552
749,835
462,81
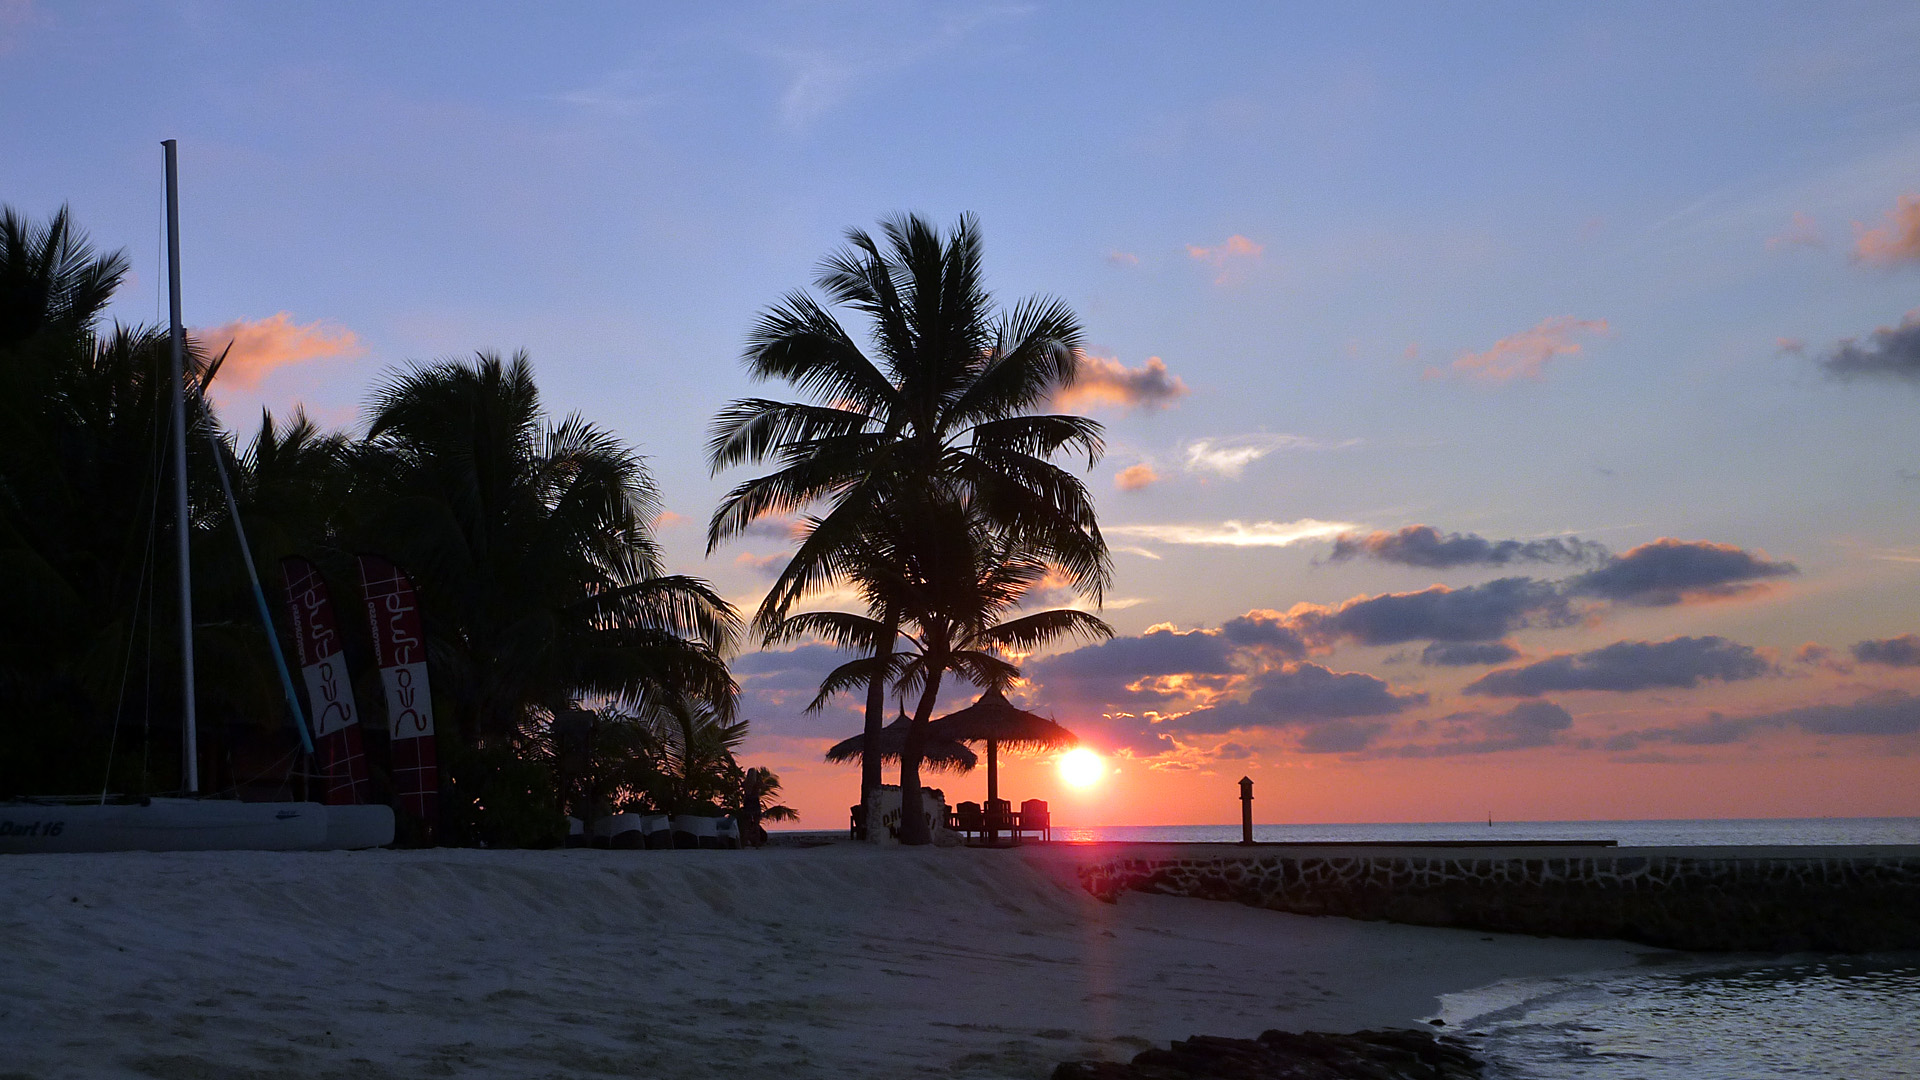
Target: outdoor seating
x,y
1034,819
999,818
968,820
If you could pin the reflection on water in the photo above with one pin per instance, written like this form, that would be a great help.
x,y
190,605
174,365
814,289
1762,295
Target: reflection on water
x,y
1851,1017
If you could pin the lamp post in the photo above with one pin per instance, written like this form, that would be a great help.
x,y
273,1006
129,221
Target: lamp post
x,y
1246,809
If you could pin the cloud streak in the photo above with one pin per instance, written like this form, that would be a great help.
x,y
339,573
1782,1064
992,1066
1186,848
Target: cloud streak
x,y
1425,546
1236,533
255,348
1136,477
1230,455
1525,355
1227,256
1626,666
1886,714
1895,240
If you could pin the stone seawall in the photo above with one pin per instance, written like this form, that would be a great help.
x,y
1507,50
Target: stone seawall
x,y
1740,899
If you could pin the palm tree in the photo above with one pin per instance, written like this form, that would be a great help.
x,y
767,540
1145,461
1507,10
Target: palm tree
x,y
531,543
759,787
946,409
954,580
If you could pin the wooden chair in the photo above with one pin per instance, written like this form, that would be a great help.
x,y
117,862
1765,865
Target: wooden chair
x,y
1000,819
1034,819
968,820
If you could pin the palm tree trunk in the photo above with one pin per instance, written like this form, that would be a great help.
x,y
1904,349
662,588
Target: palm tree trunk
x,y
870,775
913,819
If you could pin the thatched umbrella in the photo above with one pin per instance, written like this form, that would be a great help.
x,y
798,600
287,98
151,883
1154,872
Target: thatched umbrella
x,y
940,754
996,721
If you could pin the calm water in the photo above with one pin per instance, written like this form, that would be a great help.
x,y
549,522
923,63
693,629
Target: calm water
x,y
1856,1018
1847,1018
1628,833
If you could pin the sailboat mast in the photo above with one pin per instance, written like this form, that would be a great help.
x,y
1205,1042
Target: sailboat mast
x,y
190,734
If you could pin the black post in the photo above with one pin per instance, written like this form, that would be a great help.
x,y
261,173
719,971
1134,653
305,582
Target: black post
x,y
1246,809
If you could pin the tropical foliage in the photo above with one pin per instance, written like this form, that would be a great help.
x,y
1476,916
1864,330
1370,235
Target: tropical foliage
x,y
543,590
925,470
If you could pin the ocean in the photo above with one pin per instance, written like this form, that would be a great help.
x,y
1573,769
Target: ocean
x,y
1628,833
1688,1017
1844,1017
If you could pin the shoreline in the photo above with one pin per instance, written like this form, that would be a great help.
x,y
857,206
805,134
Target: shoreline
x,y
830,961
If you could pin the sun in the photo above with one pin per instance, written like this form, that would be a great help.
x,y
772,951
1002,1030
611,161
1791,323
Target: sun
x,y
1082,768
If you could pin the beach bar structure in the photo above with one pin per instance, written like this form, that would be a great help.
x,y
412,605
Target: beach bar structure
x,y
994,720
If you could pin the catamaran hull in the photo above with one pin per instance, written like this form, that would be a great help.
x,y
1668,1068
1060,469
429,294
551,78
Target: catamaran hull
x,y
167,825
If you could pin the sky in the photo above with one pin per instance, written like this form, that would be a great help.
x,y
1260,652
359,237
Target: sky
x,y
1510,407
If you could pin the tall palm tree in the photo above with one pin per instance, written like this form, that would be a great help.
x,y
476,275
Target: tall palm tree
x,y
945,408
532,544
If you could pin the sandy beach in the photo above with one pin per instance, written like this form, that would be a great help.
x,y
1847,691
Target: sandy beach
x,y
834,961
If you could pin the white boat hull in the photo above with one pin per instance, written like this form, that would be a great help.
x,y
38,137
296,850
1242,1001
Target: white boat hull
x,y
351,828
167,825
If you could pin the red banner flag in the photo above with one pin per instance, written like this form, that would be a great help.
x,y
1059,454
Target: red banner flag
x,y
336,728
399,647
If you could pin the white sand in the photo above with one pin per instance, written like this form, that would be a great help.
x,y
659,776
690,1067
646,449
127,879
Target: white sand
x,y
830,962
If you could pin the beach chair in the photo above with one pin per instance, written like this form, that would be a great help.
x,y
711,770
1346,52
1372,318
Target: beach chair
x,y
618,831
968,820
695,831
1000,819
1034,818
656,831
727,831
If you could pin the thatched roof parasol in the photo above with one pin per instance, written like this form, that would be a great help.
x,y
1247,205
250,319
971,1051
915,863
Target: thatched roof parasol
x,y
996,721
941,754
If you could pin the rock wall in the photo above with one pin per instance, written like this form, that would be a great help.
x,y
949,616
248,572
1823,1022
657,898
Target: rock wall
x,y
1707,901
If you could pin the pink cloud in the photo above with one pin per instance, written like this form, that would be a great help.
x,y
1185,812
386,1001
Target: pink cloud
x,y
1791,345
1106,381
255,348
1802,232
1896,240
1123,258
1136,477
767,565
1525,355
1234,251
668,519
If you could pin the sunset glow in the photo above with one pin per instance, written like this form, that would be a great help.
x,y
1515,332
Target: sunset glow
x,y
1082,768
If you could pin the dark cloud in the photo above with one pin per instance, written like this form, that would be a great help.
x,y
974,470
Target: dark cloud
x,y
1669,571
1159,652
1232,751
1626,666
1101,380
1526,726
1302,694
1891,713
1902,651
1423,545
1341,736
1485,612
800,668
1468,653
1892,353
1266,629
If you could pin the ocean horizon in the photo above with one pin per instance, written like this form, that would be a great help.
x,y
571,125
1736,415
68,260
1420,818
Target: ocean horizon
x,y
1674,832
